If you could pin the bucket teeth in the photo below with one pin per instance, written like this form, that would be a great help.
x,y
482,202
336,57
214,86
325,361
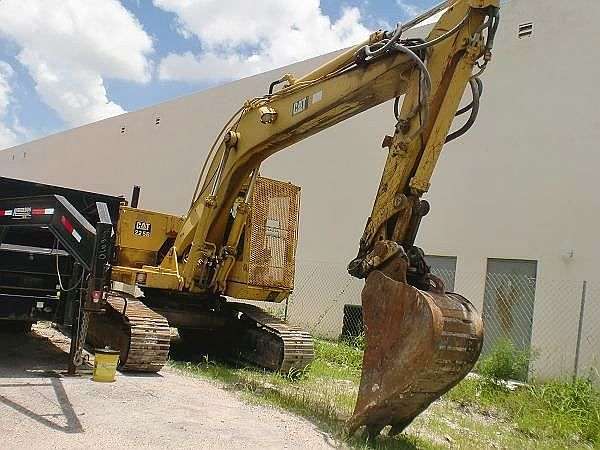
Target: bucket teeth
x,y
418,346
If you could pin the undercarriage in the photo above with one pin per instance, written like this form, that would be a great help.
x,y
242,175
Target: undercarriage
x,y
140,330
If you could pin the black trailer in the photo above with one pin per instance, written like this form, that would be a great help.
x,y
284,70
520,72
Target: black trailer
x,y
55,248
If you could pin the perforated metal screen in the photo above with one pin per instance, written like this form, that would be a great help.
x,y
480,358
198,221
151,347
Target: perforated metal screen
x,y
274,233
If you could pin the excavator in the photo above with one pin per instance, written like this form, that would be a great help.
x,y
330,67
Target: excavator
x,y
238,239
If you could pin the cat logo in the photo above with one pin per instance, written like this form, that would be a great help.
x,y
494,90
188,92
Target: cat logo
x,y
142,228
299,106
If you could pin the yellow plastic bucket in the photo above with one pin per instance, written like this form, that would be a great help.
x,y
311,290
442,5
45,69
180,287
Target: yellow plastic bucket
x,y
105,365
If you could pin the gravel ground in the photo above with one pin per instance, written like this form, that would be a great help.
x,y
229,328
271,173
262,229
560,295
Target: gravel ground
x,y
40,407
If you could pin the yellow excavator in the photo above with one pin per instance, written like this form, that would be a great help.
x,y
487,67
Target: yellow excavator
x,y
238,240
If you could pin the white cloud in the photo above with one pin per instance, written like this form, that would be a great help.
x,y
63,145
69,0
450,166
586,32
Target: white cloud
x,y
70,46
8,137
410,9
241,38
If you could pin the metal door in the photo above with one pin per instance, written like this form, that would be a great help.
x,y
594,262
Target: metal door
x,y
508,302
443,267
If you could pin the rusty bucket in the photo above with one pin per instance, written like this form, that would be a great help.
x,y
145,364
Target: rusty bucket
x,y
418,346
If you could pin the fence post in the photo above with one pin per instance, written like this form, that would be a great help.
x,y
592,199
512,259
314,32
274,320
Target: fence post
x,y
579,329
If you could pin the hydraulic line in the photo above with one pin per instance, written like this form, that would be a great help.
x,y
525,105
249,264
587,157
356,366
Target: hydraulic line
x,y
426,15
425,81
441,38
474,111
495,17
60,284
383,46
239,112
470,105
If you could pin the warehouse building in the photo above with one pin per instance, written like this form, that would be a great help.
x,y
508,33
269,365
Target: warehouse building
x,y
515,206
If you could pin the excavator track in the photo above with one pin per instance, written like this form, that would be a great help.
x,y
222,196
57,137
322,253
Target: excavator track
x,y
140,334
273,343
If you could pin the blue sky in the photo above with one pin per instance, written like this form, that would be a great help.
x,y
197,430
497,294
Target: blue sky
x,y
65,63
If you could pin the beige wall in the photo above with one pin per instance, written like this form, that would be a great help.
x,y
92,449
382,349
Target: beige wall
x,y
522,184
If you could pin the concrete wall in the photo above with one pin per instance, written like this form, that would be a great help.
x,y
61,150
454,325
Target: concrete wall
x,y
522,184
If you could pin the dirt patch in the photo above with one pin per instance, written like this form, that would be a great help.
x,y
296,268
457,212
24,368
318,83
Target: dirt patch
x,y
41,407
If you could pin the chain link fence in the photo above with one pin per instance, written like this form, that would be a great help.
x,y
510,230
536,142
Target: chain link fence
x,y
556,322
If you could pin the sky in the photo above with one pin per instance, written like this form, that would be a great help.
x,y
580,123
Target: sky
x,y
66,63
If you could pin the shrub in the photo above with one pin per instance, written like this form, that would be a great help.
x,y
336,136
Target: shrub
x,y
505,362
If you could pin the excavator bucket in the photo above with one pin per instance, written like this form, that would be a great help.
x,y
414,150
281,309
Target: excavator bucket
x,y
418,346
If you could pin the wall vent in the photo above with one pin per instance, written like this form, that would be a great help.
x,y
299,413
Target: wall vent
x,y
525,30
157,121
122,130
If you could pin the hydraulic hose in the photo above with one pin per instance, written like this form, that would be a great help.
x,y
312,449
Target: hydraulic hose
x,y
474,107
426,15
426,82
212,149
368,52
470,105
441,38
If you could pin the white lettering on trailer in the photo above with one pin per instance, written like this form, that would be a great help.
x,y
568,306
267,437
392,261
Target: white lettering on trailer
x,y
22,213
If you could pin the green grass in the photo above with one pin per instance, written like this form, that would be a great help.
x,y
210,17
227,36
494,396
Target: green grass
x,y
478,413
565,413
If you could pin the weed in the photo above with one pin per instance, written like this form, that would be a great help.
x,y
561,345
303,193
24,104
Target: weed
x,y
565,409
505,362
344,360
357,342
567,412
